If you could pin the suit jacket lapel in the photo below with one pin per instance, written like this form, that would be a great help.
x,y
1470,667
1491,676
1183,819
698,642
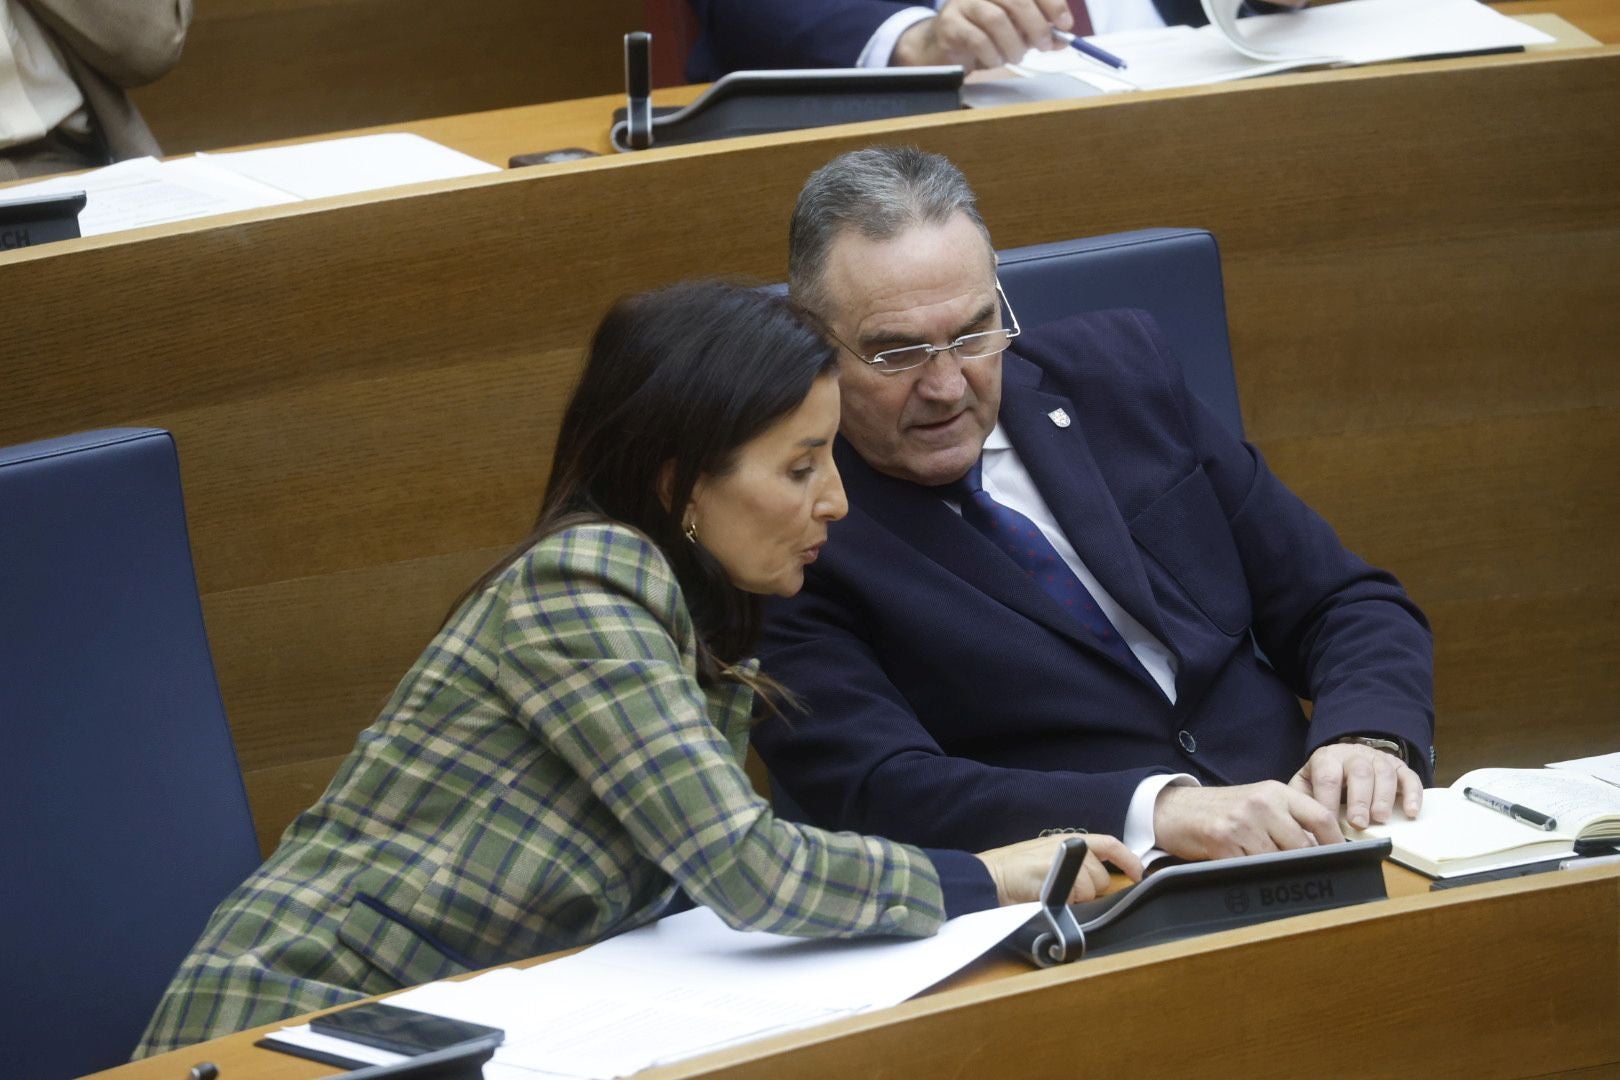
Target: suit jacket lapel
x,y
919,517
1060,462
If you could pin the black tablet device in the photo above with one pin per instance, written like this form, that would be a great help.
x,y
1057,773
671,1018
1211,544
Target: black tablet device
x,y
403,1031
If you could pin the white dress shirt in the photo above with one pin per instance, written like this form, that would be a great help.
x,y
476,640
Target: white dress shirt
x,y
1007,482
1107,17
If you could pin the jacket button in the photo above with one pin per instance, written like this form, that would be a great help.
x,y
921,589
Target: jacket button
x,y
1188,743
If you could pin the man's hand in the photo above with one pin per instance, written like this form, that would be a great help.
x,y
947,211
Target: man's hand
x,y
1218,822
1019,870
1365,779
983,33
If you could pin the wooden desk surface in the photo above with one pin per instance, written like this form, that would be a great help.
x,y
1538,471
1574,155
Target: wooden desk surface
x,y
1600,18
497,135
1514,978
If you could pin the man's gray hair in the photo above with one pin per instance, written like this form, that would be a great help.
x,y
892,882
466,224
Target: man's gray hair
x,y
880,191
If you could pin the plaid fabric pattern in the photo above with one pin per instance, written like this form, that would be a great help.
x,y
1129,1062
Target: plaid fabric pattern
x,y
546,774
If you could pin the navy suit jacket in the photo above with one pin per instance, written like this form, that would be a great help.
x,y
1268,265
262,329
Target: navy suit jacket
x,y
747,35
950,702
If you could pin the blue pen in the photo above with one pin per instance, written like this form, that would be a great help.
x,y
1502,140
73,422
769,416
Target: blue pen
x,y
1088,49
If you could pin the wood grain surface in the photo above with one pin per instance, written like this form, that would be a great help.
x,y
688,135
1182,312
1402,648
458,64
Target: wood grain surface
x,y
256,70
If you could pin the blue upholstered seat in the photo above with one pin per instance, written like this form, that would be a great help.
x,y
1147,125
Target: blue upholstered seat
x,y
123,819
1173,274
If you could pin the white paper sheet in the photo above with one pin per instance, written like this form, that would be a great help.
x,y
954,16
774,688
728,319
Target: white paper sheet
x,y
688,985
1605,767
145,191
1352,32
1372,31
315,170
859,974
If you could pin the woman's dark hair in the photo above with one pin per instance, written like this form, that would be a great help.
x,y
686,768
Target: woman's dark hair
x,y
683,376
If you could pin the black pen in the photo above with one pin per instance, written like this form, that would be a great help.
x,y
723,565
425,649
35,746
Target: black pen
x,y
1512,809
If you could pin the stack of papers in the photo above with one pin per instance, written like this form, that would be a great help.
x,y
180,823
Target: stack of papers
x,y
1353,32
145,191
683,986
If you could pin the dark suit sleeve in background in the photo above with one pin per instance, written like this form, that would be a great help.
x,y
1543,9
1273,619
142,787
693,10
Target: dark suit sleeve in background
x,y
743,35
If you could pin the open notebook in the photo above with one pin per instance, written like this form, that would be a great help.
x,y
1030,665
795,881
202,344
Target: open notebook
x,y
1453,836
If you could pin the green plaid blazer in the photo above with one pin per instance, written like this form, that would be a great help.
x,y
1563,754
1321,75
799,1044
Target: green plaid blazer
x,y
548,773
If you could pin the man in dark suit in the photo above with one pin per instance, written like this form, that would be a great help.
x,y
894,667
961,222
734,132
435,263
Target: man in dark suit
x,y
1038,613
751,34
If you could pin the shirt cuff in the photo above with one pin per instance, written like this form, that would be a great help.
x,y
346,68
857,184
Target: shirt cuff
x,y
880,47
964,880
1139,816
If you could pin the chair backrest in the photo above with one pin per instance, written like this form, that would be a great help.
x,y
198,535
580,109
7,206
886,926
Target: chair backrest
x,y
1173,274
125,818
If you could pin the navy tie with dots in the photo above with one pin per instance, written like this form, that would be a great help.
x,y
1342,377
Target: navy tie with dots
x,y
1024,543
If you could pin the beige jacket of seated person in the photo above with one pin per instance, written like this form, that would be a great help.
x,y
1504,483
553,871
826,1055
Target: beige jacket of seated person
x,y
108,47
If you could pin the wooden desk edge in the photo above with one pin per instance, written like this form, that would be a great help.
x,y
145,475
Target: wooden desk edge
x,y
238,1058
1031,981
875,128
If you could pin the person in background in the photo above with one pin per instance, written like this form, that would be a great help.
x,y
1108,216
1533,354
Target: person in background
x,y
64,69
1049,601
740,35
565,760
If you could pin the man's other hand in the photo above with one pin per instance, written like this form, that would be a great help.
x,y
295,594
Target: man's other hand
x,y
1249,819
983,33
1367,781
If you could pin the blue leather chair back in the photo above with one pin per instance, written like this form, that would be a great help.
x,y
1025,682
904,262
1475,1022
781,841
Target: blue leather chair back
x,y
123,819
1173,274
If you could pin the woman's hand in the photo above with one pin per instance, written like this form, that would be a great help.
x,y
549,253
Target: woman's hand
x,y
1019,870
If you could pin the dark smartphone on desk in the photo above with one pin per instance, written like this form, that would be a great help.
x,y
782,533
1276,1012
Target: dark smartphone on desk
x,y
404,1031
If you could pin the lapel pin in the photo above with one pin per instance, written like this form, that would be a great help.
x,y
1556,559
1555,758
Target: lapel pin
x,y
1059,417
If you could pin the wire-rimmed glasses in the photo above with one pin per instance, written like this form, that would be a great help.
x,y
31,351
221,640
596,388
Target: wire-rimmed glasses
x,y
968,347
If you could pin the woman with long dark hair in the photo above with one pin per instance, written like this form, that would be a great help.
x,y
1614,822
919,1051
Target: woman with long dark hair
x,y
564,761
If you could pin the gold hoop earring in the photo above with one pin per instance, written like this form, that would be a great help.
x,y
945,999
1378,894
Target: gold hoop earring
x,y
691,531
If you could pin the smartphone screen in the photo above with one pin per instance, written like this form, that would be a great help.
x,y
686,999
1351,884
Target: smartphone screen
x,y
404,1031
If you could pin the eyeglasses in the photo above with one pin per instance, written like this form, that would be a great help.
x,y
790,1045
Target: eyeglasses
x,y
967,347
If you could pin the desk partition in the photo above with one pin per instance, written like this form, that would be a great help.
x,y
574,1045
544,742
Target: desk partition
x,y
1420,265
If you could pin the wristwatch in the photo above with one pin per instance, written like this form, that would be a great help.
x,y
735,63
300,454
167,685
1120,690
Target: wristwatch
x,y
1388,746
